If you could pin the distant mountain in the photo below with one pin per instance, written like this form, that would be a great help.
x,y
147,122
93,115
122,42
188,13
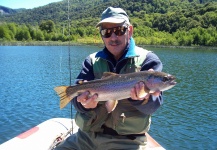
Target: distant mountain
x,y
8,11
92,9
56,12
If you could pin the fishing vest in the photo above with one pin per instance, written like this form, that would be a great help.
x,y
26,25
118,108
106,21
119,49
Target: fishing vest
x,y
125,118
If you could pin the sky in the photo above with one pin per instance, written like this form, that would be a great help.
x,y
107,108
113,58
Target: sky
x,y
28,4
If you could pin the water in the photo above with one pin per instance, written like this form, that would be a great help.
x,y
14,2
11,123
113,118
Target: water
x,y
186,120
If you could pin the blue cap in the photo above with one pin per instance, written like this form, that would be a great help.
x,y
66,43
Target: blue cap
x,y
114,15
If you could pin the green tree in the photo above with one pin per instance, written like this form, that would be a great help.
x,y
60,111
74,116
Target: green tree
x,y
5,33
47,26
32,31
13,29
81,31
23,33
47,36
39,35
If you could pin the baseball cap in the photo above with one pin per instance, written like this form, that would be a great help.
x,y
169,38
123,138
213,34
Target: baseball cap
x,y
114,15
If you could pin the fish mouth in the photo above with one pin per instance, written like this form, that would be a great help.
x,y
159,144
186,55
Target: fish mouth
x,y
173,82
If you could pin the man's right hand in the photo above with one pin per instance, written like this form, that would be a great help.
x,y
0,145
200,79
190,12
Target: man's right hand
x,y
88,101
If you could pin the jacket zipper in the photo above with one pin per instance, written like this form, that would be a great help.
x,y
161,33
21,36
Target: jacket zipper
x,y
114,67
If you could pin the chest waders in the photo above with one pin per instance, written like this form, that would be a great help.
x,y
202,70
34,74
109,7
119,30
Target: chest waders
x,y
125,119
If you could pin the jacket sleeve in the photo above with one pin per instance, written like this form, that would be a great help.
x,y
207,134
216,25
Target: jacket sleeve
x,y
151,62
86,73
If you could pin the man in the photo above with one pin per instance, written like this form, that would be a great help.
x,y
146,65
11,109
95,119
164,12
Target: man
x,y
124,127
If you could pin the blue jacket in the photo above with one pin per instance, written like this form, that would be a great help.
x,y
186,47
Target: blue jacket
x,y
151,62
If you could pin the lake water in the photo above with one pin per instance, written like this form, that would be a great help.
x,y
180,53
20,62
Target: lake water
x,y
186,120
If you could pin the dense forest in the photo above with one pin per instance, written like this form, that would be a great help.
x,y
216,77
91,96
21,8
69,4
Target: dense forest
x,y
156,22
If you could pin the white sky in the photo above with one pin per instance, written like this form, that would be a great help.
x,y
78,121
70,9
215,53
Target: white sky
x,y
28,4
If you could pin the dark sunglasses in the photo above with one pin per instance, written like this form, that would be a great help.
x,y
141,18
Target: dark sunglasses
x,y
119,31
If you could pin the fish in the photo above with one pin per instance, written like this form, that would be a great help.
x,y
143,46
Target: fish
x,y
113,87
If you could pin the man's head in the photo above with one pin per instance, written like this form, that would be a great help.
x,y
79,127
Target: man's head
x,y
114,15
115,30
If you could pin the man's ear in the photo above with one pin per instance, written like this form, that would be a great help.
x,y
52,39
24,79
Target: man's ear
x,y
130,31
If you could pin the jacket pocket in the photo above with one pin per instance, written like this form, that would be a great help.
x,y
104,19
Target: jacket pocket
x,y
133,123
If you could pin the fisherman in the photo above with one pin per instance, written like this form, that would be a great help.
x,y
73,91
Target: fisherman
x,y
125,126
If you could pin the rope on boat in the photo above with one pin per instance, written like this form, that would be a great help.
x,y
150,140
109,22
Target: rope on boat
x,y
59,139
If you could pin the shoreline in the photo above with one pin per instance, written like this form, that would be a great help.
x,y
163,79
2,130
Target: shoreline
x,y
59,43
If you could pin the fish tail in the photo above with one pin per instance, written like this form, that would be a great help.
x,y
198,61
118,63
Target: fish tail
x,y
64,98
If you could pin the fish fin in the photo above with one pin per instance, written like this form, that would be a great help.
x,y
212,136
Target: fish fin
x,y
111,105
108,74
64,98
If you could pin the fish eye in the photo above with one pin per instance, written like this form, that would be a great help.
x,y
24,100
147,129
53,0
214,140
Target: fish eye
x,y
165,79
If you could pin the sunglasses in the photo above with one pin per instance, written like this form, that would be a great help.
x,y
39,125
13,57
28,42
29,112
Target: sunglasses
x,y
119,31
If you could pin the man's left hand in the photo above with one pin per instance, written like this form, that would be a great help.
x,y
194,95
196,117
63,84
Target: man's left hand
x,y
141,92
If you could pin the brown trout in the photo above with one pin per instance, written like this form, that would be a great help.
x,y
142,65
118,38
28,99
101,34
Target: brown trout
x,y
113,87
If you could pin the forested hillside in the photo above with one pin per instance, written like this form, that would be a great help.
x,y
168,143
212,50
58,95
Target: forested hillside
x,y
156,22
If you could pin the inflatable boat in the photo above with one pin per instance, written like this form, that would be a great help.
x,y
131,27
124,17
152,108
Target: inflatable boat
x,y
50,133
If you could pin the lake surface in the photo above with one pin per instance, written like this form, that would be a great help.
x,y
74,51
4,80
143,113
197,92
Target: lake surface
x,y
186,120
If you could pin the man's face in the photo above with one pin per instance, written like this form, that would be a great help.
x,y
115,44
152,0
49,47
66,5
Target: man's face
x,y
116,44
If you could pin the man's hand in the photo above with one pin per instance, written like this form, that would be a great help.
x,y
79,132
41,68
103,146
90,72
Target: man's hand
x,y
87,101
141,92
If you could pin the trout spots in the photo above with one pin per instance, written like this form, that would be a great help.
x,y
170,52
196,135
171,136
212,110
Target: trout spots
x,y
116,87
